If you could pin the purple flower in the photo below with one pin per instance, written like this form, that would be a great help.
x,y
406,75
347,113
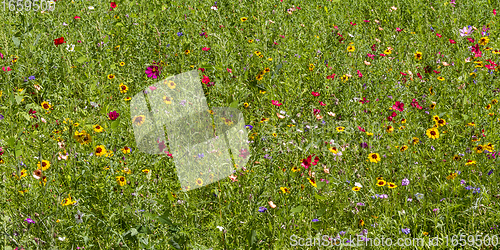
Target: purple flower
x,y
462,182
249,127
491,172
152,71
315,220
29,220
360,204
1,117
466,31
113,115
262,209
179,33
364,145
31,78
405,182
405,230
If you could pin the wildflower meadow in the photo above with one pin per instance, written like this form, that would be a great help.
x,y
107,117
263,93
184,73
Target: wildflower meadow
x,y
345,121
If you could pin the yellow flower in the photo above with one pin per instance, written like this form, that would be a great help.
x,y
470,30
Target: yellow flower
x,y
46,105
126,150
250,40
356,189
245,105
67,201
351,48
381,183
440,78
122,64
139,120
418,55
340,129
187,52
111,76
391,185
199,182
121,180
98,128
123,88
44,166
243,19
432,133
387,51
484,40
313,182
333,150
127,98
374,157
100,150
147,171
285,190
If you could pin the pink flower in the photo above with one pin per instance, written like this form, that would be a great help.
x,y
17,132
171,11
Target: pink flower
x,y
439,35
79,41
306,163
233,177
315,93
382,54
8,69
205,79
494,12
1,55
470,40
402,73
322,103
152,88
361,129
399,106
276,103
371,56
359,74
366,21
202,69
452,41
399,30
205,49
352,23
77,17
229,70
489,66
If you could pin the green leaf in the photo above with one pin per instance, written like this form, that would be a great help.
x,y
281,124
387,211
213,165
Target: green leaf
x,y
297,209
326,10
234,104
81,59
19,99
26,116
106,39
115,124
12,99
119,24
321,184
320,212
113,66
251,238
319,197
164,219
78,48
11,142
16,41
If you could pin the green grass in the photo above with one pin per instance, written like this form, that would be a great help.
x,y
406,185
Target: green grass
x,y
152,211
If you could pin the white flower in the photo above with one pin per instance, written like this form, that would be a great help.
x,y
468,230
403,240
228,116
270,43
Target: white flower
x,y
78,217
220,228
62,238
43,120
351,35
214,8
91,7
357,184
70,49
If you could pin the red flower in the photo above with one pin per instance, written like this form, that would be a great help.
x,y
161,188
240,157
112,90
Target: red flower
x,y
452,41
306,163
399,106
364,100
315,93
205,79
437,72
352,23
470,40
77,17
439,35
359,74
402,73
399,30
494,12
382,54
374,47
59,41
419,76
202,69
331,76
322,103
113,5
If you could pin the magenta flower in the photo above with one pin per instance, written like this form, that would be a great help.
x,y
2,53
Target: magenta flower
x,y
29,220
113,115
205,79
276,103
399,106
314,93
153,71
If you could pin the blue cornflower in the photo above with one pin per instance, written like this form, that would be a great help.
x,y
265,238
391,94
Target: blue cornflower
x,y
405,230
249,127
31,78
491,172
262,209
179,33
201,155
315,220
